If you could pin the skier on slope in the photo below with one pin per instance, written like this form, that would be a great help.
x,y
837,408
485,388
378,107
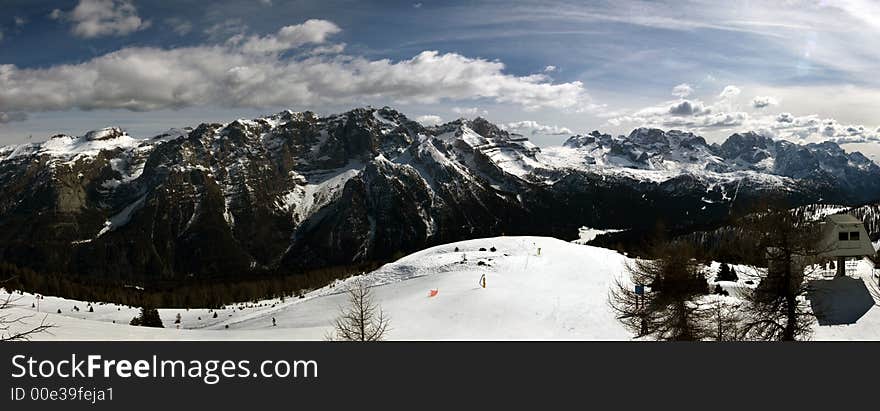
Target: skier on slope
x,y
483,281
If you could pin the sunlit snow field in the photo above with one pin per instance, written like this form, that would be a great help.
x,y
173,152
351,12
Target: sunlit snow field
x,y
559,293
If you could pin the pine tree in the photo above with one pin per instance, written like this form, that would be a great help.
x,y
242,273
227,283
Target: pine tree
x,y
149,317
726,273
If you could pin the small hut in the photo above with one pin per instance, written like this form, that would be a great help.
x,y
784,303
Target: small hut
x,y
844,236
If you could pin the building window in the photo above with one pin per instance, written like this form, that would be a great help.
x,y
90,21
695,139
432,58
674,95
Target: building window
x,y
843,236
854,235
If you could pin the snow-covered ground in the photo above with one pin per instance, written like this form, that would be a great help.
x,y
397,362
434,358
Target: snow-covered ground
x,y
587,234
560,293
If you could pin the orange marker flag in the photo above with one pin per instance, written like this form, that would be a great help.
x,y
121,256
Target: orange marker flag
x,y
433,293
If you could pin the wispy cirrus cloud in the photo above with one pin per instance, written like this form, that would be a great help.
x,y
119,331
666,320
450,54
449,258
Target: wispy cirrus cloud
x,y
179,25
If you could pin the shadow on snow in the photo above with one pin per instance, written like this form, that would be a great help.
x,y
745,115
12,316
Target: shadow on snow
x,y
839,301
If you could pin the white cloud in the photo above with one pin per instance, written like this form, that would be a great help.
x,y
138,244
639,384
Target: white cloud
x,y
20,21
329,49
1,35
689,108
417,5
763,102
720,117
729,92
549,69
291,37
429,120
812,128
469,111
690,114
97,18
232,75
682,90
529,127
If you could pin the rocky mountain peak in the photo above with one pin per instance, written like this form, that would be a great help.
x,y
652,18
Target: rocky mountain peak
x,y
486,129
751,146
648,136
103,134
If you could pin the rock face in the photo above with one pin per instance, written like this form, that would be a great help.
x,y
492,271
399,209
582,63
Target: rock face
x,y
296,191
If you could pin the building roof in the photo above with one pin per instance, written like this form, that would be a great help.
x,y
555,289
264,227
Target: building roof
x,y
844,219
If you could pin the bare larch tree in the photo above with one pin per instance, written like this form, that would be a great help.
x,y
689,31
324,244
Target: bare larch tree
x,y
362,319
669,307
18,327
776,309
724,319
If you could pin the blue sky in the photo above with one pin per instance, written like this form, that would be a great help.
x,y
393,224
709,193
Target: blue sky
x,y
798,69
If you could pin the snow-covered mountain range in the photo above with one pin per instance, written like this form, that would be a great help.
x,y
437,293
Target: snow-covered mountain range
x,y
296,191
653,152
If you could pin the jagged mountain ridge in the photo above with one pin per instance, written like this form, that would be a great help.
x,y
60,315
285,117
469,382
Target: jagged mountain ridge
x,y
741,155
295,190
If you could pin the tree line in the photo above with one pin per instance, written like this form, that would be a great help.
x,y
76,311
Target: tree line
x,y
674,302
194,293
